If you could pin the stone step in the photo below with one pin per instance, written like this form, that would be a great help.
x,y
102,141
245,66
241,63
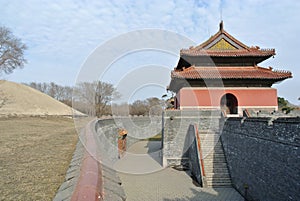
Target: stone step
x,y
207,152
218,179
210,151
209,159
214,155
217,175
219,185
216,152
215,165
208,146
210,173
209,141
214,160
208,135
224,178
216,170
205,131
211,170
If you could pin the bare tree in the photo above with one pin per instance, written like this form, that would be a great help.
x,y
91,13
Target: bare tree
x,y
65,95
150,106
93,98
61,93
53,90
155,106
3,99
105,92
11,51
121,109
139,107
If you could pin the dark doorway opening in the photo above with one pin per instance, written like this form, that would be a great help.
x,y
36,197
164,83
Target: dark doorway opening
x,y
229,104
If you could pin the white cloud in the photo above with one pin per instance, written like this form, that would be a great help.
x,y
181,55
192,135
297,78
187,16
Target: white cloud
x,y
61,34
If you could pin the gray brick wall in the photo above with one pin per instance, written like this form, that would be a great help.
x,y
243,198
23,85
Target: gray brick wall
x,y
264,155
176,124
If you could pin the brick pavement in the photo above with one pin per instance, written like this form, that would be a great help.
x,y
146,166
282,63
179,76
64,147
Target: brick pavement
x,y
165,184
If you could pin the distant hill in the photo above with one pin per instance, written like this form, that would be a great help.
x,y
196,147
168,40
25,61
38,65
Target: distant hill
x,y
18,99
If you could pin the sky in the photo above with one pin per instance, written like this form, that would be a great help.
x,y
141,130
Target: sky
x,y
62,34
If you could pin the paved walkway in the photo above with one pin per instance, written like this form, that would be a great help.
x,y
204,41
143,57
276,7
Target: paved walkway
x,y
163,184
141,158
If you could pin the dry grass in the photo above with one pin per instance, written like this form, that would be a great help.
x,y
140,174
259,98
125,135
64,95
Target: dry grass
x,y
34,156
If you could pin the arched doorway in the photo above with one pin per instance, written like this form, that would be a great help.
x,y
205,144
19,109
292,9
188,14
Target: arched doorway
x,y
229,104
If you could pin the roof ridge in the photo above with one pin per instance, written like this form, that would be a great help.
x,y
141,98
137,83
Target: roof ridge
x,y
215,36
223,34
225,67
235,40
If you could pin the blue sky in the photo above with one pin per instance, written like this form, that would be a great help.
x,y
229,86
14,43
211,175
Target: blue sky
x,y
60,35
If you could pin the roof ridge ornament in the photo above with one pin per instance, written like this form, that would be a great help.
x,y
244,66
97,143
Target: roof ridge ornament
x,y
221,26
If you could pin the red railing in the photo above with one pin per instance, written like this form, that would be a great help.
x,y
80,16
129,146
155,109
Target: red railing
x,y
200,150
90,183
247,113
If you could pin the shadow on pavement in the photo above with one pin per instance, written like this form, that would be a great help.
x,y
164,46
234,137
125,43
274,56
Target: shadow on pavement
x,y
155,151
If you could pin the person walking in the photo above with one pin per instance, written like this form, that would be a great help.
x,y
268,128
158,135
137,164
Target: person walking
x,y
122,142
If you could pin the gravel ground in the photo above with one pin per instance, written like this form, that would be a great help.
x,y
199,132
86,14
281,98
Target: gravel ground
x,y
35,153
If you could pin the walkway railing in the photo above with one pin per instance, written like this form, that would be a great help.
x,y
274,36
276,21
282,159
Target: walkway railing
x,y
246,113
200,151
87,177
90,182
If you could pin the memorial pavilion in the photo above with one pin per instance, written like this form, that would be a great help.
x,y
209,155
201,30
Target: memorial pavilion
x,y
223,73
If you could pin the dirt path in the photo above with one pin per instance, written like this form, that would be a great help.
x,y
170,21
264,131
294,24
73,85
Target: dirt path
x,y
34,156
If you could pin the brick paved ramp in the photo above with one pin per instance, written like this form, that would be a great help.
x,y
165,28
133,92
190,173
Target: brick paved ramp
x,y
167,184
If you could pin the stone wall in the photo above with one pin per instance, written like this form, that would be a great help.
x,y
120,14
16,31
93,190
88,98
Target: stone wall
x,y
176,124
66,189
138,128
263,155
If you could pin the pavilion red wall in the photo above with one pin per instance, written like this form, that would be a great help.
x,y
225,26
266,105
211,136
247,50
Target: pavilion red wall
x,y
210,98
